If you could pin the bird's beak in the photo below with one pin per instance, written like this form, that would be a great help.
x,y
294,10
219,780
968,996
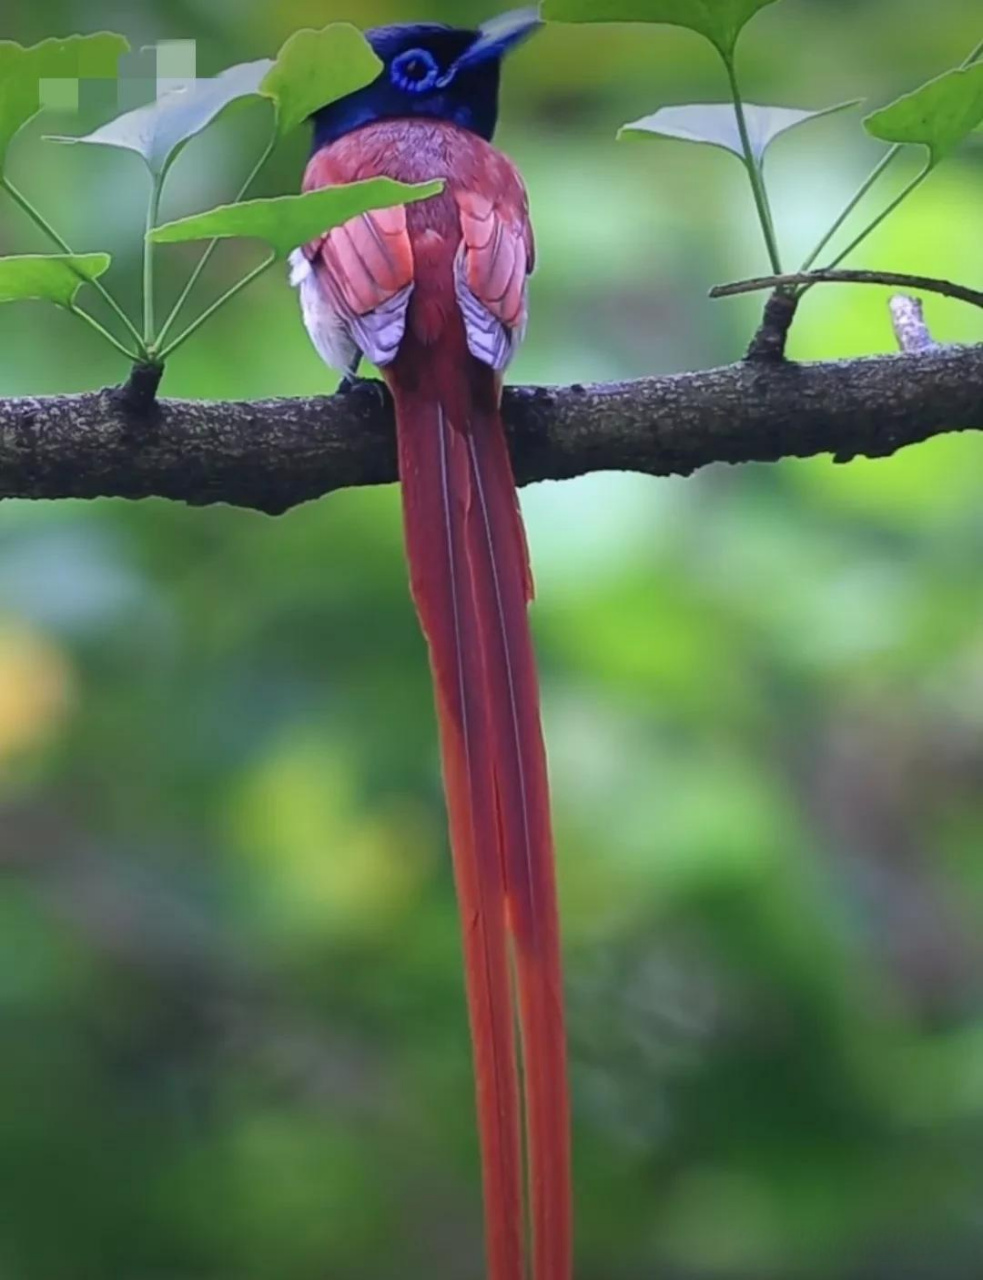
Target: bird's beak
x,y
499,36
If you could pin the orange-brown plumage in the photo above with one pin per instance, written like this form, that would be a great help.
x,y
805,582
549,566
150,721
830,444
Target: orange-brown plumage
x,y
442,283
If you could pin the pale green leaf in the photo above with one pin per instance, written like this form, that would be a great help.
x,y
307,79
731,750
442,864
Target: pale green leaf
x,y
715,123
285,222
54,277
72,58
158,131
315,68
939,115
720,21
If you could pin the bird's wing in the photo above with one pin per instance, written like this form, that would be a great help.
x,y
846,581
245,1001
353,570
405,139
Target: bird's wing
x,y
365,270
492,270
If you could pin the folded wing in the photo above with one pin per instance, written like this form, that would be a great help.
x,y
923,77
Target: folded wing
x,y
492,268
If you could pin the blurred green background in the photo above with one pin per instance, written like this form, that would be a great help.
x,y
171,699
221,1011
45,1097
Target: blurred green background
x,y
233,1042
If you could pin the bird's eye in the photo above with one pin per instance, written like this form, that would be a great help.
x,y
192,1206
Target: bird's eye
x,y
415,71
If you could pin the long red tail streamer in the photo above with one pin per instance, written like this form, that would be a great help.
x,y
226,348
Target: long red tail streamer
x,y
471,583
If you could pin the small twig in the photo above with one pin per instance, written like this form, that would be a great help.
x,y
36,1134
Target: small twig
x,y
892,278
139,391
769,342
910,328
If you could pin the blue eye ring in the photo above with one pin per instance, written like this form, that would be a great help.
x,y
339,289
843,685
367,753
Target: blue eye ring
x,y
414,71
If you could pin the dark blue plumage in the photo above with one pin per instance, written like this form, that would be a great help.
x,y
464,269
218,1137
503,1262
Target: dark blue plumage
x,y
433,72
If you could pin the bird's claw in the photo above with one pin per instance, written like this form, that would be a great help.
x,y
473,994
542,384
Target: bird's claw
x,y
353,384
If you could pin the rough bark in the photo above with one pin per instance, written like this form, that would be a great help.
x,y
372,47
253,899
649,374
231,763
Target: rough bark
x,y
273,454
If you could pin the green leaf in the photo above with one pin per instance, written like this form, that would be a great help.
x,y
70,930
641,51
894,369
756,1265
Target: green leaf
x,y
54,277
315,68
22,70
715,123
285,222
720,21
938,116
158,131
312,69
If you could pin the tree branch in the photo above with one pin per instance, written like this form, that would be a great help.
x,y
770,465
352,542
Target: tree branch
x,y
908,322
829,275
274,454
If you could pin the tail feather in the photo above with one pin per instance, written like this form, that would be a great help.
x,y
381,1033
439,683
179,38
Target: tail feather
x,y
505,587
434,467
471,583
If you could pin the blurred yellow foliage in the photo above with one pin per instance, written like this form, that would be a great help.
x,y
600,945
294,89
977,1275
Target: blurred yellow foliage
x,y
332,863
36,687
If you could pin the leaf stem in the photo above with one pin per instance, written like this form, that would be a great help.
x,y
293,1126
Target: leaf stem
x,y
93,323
887,159
153,208
217,305
42,223
754,169
205,258
903,194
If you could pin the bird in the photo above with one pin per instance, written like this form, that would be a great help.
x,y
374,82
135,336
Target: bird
x,y
434,294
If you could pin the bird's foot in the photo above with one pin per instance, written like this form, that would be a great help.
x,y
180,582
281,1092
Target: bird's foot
x,y
353,384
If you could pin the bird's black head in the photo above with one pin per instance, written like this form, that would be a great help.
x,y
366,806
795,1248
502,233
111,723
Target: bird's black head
x,y
433,71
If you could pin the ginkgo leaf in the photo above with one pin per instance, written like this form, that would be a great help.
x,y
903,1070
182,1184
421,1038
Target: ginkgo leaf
x,y
158,131
54,277
312,69
72,58
315,68
715,123
939,115
285,222
719,21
